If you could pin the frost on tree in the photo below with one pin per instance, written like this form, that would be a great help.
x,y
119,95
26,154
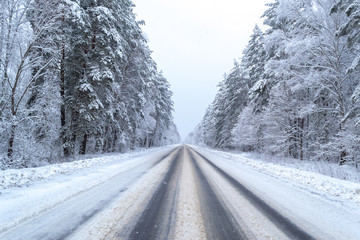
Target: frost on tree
x,y
77,77
302,77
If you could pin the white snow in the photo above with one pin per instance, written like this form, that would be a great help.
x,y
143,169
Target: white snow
x,y
27,193
303,174
328,208
118,218
28,176
253,222
322,202
189,223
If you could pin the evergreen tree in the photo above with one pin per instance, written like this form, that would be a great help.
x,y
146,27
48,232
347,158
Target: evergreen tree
x,y
303,81
86,81
163,109
253,60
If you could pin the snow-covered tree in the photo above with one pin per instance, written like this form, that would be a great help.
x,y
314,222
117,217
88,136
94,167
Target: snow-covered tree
x,y
351,28
302,76
253,60
24,62
77,77
324,65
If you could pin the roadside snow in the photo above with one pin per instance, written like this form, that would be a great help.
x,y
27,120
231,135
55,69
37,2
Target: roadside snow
x,y
117,220
327,208
338,188
27,176
27,193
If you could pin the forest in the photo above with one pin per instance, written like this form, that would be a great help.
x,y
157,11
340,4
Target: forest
x,y
77,77
295,92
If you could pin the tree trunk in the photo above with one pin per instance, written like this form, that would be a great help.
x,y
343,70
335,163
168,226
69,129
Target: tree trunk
x,y
83,145
343,155
71,141
114,141
343,152
62,110
107,143
301,137
11,143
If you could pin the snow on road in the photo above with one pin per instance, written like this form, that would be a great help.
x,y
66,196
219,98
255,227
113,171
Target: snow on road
x,y
254,223
314,208
119,218
329,186
28,176
190,224
27,193
326,207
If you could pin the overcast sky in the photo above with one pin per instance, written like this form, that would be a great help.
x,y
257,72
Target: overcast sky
x,y
194,42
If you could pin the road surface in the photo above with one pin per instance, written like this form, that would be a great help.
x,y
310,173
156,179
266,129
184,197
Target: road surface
x,y
184,193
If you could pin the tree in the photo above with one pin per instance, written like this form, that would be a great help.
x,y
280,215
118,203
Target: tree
x,y
23,63
163,109
254,94
235,98
302,78
77,77
350,28
328,61
253,60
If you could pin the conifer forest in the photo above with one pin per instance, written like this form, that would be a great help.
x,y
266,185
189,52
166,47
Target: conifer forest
x,y
295,92
77,77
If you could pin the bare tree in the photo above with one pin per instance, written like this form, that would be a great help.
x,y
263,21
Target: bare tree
x,y
21,63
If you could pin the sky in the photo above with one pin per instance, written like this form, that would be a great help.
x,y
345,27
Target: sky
x,y
194,43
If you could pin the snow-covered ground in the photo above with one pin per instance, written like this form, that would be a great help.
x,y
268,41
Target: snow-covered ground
x,y
27,193
323,177
326,207
320,199
28,176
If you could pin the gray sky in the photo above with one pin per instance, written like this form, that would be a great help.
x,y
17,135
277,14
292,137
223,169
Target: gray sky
x,y
194,42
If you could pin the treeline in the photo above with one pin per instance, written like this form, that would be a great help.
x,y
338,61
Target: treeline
x,y
77,77
296,91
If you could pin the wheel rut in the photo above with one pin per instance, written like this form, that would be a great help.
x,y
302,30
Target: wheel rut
x,y
283,223
195,199
219,222
159,216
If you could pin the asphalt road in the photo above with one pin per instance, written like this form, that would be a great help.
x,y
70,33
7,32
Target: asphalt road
x,y
65,218
181,194
158,219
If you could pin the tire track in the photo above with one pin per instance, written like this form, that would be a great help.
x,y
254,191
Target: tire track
x,y
282,222
159,216
219,222
166,155
68,216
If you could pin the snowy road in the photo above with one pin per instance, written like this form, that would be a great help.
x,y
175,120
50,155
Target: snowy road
x,y
58,217
218,197
187,193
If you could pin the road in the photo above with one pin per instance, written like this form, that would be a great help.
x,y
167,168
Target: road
x,y
185,194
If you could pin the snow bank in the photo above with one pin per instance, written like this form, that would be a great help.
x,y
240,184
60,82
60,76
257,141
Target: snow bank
x,y
25,177
294,173
27,193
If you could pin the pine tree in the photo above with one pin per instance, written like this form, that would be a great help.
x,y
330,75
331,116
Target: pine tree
x,y
350,28
304,85
235,99
253,60
163,109
85,82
